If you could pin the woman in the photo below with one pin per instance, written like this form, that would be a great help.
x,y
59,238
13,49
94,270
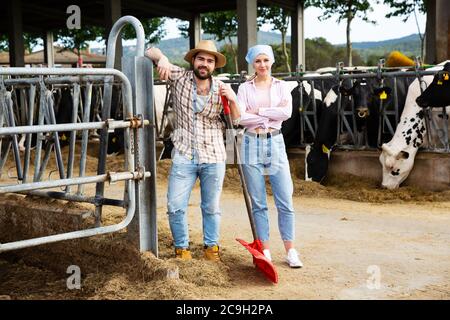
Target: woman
x,y
265,103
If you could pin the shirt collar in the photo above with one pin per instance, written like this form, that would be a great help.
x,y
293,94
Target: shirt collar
x,y
274,80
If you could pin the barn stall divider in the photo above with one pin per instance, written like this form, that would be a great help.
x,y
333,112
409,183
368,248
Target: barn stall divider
x,y
27,108
436,120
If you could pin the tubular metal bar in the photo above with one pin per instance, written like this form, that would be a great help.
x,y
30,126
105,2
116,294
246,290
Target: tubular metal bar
x,y
52,120
76,198
76,234
53,80
40,136
31,97
106,110
109,124
75,100
364,75
48,151
85,134
8,106
111,177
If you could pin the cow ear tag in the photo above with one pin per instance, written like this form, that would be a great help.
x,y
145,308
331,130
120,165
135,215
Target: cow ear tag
x,y
383,95
325,149
446,76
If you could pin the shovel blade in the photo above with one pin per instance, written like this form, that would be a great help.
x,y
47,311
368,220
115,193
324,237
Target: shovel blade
x,y
260,260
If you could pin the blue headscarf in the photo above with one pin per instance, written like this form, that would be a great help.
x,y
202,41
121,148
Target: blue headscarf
x,y
255,51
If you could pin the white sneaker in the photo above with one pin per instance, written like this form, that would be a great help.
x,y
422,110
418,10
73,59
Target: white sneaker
x,y
293,260
267,254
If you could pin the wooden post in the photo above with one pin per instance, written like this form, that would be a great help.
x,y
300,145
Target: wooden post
x,y
15,34
113,11
297,37
195,30
246,13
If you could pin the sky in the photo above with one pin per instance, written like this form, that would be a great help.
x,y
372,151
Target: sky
x,y
391,28
334,33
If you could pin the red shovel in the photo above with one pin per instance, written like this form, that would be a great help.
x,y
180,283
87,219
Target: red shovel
x,y
255,248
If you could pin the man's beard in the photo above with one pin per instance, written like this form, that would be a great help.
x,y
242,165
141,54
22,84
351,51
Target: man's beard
x,y
203,77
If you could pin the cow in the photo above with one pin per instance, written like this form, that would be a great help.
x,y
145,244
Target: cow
x,y
291,127
437,94
397,156
317,155
365,94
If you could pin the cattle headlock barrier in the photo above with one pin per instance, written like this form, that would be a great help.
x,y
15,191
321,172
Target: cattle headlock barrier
x,y
389,107
27,101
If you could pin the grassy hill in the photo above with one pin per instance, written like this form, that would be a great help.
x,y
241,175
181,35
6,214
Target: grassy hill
x,y
410,45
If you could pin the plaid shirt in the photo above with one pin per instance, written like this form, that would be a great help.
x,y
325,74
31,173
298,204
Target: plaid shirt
x,y
202,131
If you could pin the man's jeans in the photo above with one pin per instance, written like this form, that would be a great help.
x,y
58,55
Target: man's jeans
x,y
183,175
261,157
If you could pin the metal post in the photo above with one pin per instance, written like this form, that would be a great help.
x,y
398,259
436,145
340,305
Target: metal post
x,y
143,229
106,110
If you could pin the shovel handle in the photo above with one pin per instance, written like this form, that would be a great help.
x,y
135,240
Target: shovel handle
x,y
226,111
226,106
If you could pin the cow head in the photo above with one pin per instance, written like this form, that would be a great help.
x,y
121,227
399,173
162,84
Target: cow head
x,y
362,96
437,93
397,164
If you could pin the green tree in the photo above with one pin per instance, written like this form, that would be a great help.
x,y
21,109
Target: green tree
x,y
153,28
404,8
279,18
76,40
320,53
30,41
223,26
345,10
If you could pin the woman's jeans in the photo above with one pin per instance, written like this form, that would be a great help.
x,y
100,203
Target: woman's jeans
x,y
267,156
183,175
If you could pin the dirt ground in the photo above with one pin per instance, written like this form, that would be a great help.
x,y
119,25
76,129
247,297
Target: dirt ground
x,y
357,241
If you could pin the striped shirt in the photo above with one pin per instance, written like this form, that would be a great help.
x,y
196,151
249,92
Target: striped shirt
x,y
200,132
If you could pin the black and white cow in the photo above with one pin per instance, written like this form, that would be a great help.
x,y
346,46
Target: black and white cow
x,y
397,156
291,127
317,155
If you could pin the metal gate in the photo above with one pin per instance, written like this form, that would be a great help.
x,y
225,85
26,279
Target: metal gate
x,y
34,115
389,116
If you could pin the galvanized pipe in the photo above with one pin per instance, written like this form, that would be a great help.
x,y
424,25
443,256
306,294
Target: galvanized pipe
x,y
76,234
85,134
109,124
8,106
75,102
75,198
111,177
52,120
31,97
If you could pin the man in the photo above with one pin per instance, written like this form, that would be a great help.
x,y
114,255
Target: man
x,y
199,150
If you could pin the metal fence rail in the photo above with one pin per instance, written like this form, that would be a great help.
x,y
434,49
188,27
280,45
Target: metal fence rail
x,y
389,116
27,102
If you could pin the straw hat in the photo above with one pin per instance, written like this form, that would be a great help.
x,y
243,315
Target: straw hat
x,y
207,46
